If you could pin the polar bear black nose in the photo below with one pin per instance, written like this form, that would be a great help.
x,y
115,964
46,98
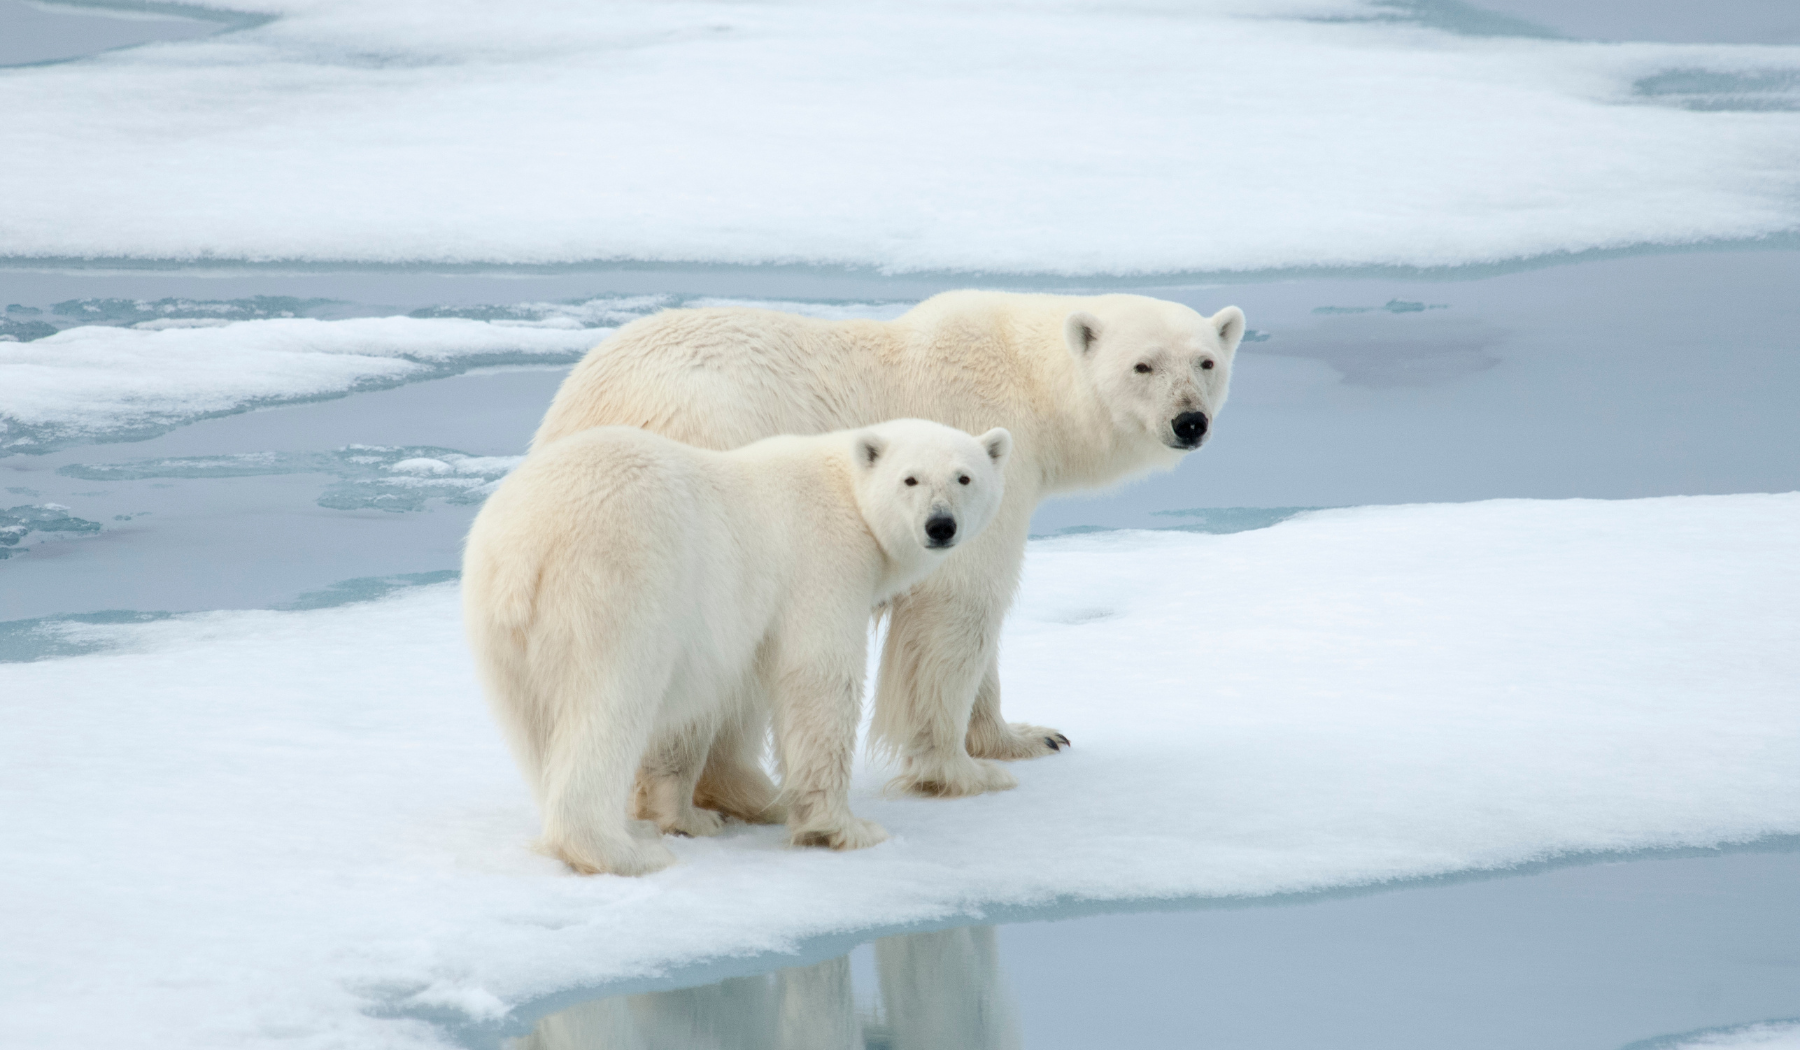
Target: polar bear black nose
x,y
941,530
1189,428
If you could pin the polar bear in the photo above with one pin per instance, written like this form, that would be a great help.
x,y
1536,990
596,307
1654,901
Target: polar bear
x,y
627,596
1094,390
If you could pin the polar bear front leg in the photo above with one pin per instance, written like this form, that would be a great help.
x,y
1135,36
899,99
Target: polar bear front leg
x,y
817,707
989,737
938,648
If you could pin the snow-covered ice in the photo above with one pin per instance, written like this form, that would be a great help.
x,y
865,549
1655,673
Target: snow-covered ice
x,y
254,828
1065,137
99,382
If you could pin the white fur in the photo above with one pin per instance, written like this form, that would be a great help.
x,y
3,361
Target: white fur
x,y
1059,372
631,598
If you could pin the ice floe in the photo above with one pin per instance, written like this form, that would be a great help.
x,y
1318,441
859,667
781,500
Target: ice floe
x,y
18,523
300,828
107,382
1063,137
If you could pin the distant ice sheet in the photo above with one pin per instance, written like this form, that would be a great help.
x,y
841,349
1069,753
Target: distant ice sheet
x,y
1774,1035
264,828
992,137
97,382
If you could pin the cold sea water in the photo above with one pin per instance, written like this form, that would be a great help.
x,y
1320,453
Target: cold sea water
x,y
1611,376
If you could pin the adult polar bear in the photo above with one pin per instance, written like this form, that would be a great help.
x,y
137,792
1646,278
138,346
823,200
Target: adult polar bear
x,y
1093,390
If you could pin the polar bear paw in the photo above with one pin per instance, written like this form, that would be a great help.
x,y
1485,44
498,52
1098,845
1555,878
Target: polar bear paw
x,y
634,855
955,779
1009,743
694,823
856,833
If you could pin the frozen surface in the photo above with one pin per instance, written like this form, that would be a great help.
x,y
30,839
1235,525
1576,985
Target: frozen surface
x,y
20,522
98,382
253,828
992,137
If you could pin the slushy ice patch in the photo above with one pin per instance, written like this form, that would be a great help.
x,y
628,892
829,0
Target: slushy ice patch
x,y
1220,521
1450,16
370,477
19,522
74,634
368,589
1759,90
174,312
606,312
23,331
1392,306
1214,521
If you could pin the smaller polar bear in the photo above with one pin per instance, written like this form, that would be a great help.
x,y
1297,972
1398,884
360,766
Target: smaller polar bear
x,y
628,598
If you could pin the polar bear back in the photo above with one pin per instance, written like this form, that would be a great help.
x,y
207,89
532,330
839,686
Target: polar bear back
x,y
724,377
614,541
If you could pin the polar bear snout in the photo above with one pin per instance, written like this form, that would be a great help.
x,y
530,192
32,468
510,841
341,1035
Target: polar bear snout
x,y
1189,429
942,530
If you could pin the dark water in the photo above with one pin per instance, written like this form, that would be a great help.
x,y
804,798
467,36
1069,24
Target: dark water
x,y
1619,377
1594,957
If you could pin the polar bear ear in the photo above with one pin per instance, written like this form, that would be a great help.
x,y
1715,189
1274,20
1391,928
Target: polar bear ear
x,y
998,443
1081,329
1229,323
870,447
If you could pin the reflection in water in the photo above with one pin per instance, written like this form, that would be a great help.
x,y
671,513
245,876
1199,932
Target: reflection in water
x,y
937,989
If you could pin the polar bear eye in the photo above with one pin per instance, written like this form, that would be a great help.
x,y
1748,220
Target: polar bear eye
x,y
1207,364
912,481
963,480
1142,369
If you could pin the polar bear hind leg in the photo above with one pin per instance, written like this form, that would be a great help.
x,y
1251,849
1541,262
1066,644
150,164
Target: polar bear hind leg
x,y
733,781
590,761
666,782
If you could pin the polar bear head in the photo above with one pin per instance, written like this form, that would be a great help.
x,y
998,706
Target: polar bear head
x,y
925,488
1161,368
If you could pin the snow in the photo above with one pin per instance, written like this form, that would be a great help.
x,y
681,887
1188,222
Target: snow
x,y
1066,137
256,828
99,382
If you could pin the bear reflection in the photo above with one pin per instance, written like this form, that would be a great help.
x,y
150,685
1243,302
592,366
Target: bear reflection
x,y
936,990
